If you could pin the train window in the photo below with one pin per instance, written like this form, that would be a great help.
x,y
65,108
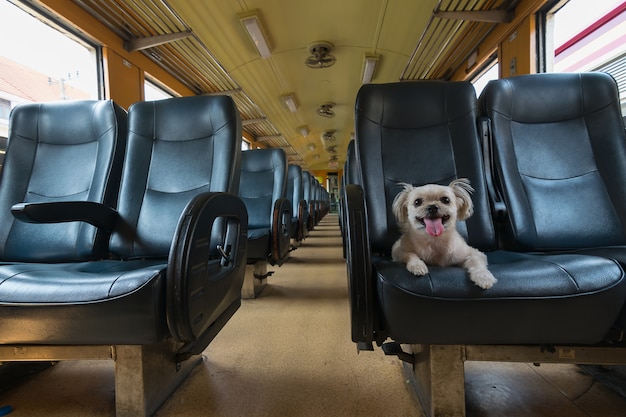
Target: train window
x,y
5,109
588,36
153,91
491,71
42,61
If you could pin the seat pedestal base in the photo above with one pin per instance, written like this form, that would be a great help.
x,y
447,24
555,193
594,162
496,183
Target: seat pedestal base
x,y
440,379
440,374
145,375
254,280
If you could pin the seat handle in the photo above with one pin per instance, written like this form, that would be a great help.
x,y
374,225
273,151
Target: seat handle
x,y
225,254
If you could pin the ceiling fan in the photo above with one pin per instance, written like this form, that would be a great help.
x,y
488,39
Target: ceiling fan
x,y
326,110
328,136
320,55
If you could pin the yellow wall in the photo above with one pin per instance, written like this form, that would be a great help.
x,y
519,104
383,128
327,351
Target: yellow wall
x,y
518,52
123,80
522,46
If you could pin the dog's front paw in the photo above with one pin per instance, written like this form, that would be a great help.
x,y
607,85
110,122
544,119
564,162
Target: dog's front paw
x,y
417,267
483,278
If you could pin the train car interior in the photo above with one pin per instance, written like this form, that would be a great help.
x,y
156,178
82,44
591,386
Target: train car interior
x,y
313,208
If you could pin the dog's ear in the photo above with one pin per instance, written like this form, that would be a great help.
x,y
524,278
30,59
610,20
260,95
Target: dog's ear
x,y
463,192
399,207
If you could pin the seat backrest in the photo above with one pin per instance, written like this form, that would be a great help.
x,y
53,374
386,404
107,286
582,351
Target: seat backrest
x,y
263,182
60,151
559,150
351,175
352,172
418,132
295,192
308,195
306,186
177,148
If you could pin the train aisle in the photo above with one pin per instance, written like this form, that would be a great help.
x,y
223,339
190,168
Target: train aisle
x,y
288,352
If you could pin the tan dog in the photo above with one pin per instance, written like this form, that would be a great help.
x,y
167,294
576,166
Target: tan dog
x,y
427,217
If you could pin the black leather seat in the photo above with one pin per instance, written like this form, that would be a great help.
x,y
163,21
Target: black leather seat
x,y
307,182
177,255
295,195
263,189
351,174
318,198
425,132
559,153
45,141
442,142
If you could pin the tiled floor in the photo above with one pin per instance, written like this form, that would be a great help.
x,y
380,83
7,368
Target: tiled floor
x,y
288,353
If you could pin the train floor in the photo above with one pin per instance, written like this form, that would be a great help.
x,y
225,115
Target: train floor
x,y
288,353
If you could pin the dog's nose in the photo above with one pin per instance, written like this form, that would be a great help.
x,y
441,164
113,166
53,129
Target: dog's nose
x,y
432,209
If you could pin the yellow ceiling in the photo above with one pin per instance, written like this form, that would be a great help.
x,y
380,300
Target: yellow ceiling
x,y
220,56
354,27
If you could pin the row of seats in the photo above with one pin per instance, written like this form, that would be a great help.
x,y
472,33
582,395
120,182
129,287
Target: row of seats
x,y
134,230
307,195
284,203
546,156
125,235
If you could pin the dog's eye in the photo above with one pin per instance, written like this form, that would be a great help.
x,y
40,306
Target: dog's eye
x,y
418,202
445,200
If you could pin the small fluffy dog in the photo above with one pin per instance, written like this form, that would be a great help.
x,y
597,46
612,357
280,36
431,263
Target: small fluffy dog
x,y
427,217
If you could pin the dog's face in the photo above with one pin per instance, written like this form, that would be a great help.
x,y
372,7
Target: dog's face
x,y
433,208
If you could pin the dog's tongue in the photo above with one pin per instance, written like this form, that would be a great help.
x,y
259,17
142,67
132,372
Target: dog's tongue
x,y
434,226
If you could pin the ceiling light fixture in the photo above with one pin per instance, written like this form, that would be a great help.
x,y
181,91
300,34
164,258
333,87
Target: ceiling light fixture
x,y
369,65
304,131
290,102
252,23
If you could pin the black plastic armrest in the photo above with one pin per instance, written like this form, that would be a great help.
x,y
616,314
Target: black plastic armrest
x,y
361,285
302,219
96,214
497,202
206,264
281,236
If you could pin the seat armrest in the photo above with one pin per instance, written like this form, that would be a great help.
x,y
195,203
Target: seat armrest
x,y
281,223
302,218
96,214
361,284
206,267
498,206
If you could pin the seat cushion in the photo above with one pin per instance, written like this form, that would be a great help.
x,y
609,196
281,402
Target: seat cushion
x,y
294,227
539,299
259,241
116,302
619,254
